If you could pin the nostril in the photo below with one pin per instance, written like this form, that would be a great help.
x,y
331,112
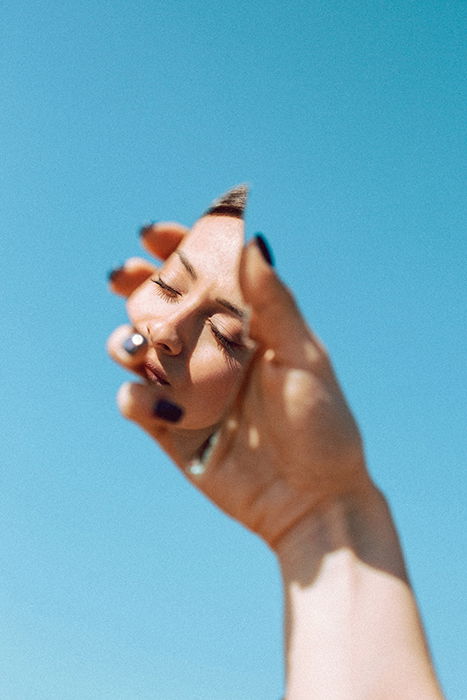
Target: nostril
x,y
164,338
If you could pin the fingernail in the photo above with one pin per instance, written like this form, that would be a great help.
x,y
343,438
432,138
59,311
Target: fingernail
x,y
168,411
135,342
145,228
264,249
112,274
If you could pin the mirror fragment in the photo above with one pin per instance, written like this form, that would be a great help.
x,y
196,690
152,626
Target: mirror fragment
x,y
197,331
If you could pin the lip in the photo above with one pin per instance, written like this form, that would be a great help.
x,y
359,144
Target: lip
x,y
154,373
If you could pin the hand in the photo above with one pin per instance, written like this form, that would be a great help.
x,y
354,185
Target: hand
x,y
288,456
290,443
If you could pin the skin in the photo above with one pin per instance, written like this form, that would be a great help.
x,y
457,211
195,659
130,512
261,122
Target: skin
x,y
191,311
290,466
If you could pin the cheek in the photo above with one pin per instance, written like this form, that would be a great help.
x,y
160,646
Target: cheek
x,y
144,302
213,387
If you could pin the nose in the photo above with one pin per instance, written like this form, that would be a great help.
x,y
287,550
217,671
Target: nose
x,y
165,334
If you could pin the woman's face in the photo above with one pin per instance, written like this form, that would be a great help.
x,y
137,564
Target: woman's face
x,y
192,314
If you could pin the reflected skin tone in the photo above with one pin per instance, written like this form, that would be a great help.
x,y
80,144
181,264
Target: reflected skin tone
x,y
192,313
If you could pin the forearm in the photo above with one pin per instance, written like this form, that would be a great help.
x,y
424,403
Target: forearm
x,y
353,631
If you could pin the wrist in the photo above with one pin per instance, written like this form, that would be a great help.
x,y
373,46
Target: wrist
x,y
358,523
352,627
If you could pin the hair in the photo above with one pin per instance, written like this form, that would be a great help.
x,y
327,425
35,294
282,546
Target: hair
x,y
232,203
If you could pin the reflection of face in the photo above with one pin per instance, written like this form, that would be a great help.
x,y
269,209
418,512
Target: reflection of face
x,y
191,314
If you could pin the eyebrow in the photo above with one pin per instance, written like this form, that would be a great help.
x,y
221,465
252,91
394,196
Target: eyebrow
x,y
231,307
187,265
223,302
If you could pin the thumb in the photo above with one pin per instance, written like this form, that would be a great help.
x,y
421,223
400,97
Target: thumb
x,y
276,322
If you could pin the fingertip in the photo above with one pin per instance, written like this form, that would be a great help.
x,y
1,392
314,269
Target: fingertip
x,y
135,401
123,399
134,343
276,321
161,238
146,227
126,345
114,273
264,248
256,271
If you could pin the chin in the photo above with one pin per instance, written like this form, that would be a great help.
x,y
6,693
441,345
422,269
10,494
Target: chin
x,y
202,420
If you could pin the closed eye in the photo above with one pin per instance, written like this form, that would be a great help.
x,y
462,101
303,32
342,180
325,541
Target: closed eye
x,y
226,345
229,347
165,291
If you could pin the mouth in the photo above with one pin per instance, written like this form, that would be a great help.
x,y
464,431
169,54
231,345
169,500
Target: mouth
x,y
154,374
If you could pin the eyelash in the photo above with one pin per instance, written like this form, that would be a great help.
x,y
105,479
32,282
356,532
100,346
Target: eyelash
x,y
171,295
226,345
168,293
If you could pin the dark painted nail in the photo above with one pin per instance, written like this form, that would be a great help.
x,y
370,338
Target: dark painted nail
x,y
113,273
145,228
168,411
264,248
134,343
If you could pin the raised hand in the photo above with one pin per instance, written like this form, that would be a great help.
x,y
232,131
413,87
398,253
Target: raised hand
x,y
261,426
290,443
287,442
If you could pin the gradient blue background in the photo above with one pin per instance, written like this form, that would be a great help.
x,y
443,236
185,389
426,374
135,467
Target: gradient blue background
x,y
118,580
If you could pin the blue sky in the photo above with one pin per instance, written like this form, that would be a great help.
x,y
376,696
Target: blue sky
x,y
347,119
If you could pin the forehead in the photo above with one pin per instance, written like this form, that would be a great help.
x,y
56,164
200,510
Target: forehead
x,y
213,247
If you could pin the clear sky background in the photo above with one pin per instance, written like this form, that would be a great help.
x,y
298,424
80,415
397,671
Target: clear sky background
x,y
119,581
